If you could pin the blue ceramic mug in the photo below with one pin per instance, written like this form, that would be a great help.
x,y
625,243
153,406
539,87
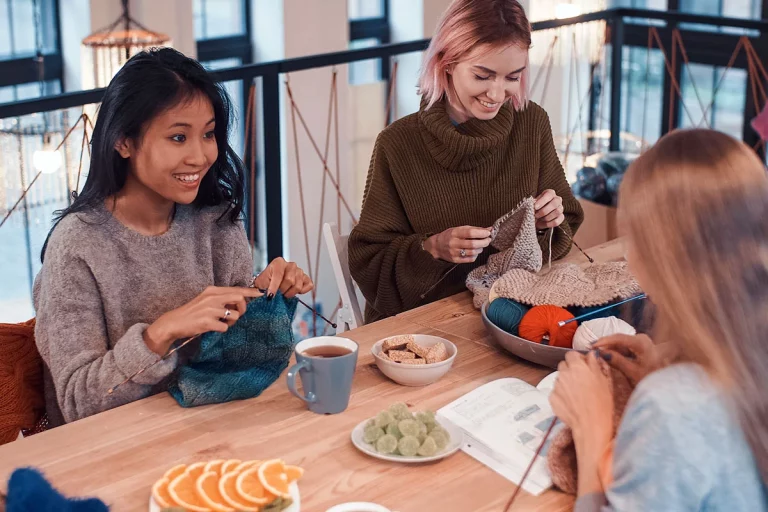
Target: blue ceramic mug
x,y
326,365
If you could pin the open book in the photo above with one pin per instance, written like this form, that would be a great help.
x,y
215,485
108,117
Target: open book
x,y
504,423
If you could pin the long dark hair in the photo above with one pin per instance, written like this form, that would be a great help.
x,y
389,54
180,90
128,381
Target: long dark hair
x,y
147,85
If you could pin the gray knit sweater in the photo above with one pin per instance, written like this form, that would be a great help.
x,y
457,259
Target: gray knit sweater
x,y
102,284
680,448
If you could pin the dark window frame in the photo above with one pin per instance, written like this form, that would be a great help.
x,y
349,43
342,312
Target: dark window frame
x,y
25,69
703,47
374,28
236,46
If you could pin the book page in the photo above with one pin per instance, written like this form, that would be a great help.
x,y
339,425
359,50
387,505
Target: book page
x,y
506,420
547,384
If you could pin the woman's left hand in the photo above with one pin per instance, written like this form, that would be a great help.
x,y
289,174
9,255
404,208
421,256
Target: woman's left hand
x,y
284,276
583,400
548,210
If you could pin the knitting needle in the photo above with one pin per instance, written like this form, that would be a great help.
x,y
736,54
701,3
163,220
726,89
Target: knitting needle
x,y
575,244
332,324
600,310
530,466
166,356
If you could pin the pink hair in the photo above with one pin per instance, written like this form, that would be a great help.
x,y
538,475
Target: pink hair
x,y
466,25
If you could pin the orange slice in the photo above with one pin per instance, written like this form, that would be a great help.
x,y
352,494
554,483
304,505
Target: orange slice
x,y
293,473
175,471
249,487
183,492
248,464
273,478
208,489
228,491
195,470
161,495
230,465
215,466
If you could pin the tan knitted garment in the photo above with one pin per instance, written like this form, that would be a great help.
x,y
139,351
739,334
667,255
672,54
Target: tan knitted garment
x,y
566,284
561,455
514,235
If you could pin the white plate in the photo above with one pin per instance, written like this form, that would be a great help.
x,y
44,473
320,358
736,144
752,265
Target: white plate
x,y
293,490
457,437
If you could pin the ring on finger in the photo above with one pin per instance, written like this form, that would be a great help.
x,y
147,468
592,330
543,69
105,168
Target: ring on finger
x,y
463,253
227,314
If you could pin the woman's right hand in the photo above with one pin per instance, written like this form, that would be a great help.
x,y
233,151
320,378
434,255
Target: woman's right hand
x,y
634,356
449,244
205,313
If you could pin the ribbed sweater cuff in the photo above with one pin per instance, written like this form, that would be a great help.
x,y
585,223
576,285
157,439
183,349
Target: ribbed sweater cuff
x,y
429,269
132,354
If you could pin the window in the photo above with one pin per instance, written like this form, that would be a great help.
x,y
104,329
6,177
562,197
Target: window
x,y
660,5
749,9
368,26
223,30
727,114
26,28
642,95
26,25
223,33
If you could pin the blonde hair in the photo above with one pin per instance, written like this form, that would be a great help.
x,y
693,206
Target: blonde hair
x,y
466,25
695,211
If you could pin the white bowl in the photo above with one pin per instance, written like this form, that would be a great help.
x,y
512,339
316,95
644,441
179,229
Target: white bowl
x,y
416,375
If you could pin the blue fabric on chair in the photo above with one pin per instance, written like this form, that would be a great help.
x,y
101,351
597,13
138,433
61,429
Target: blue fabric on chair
x,y
28,491
242,362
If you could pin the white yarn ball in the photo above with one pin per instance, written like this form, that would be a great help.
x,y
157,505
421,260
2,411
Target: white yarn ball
x,y
592,330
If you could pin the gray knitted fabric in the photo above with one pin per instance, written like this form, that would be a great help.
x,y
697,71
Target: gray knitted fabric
x,y
566,284
514,235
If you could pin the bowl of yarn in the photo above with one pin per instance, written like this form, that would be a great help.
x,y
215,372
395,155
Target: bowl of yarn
x,y
509,322
535,333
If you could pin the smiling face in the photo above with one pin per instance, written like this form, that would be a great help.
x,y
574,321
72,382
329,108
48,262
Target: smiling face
x,y
485,80
175,151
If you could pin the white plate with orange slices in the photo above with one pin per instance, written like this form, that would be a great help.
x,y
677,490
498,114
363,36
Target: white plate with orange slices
x,y
229,486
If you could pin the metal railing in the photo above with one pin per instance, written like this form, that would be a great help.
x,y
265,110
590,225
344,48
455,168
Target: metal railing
x,y
626,28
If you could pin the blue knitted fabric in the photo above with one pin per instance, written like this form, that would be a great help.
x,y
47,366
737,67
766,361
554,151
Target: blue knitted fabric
x,y
28,491
242,362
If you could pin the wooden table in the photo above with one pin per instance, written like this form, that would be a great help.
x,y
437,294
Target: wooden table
x,y
117,455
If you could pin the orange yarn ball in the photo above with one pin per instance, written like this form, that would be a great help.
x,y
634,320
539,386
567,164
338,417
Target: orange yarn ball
x,y
542,321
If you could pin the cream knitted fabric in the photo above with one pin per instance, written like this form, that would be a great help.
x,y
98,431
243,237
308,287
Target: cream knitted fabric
x,y
567,285
514,235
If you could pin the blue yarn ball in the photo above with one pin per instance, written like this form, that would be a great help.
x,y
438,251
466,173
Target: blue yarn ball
x,y
585,174
612,163
506,314
612,187
591,184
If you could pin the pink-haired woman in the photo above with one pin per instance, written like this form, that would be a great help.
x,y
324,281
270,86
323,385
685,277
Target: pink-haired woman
x,y
440,177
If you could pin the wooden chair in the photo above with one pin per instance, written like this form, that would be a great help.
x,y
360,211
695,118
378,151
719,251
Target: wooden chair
x,y
350,315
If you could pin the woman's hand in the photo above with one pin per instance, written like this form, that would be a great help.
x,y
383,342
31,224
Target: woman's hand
x,y
458,245
583,400
548,210
284,276
634,356
216,309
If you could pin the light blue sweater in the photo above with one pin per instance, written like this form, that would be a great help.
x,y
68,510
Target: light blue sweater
x,y
680,448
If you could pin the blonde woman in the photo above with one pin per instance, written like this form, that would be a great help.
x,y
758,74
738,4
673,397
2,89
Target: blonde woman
x,y
694,435
440,177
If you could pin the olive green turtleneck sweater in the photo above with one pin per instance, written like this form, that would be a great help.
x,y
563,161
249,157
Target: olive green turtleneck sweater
x,y
427,175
